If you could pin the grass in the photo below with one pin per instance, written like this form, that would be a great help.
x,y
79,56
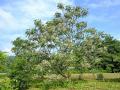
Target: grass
x,y
83,85
96,85
86,81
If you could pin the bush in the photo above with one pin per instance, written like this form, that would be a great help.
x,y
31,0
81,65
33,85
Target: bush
x,y
5,84
100,76
20,74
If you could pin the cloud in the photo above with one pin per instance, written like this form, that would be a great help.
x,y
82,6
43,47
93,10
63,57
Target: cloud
x,y
6,20
20,14
17,16
104,3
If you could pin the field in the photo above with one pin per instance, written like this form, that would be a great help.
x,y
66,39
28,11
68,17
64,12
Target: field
x,y
109,81
83,85
87,81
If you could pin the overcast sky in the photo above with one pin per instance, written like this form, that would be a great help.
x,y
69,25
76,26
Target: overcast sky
x,y
17,15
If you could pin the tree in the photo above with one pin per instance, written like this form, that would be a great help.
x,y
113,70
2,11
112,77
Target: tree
x,y
22,67
54,46
20,74
56,36
88,50
111,59
3,58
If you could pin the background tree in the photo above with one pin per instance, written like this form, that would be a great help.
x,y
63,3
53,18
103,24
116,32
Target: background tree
x,y
3,60
111,59
88,50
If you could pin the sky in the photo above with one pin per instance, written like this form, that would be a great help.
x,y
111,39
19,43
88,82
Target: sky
x,y
17,15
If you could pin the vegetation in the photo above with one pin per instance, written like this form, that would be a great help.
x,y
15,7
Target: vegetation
x,y
62,47
80,85
3,57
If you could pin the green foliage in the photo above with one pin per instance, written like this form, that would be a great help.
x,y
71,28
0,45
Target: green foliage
x,y
3,60
46,85
100,76
111,59
87,51
20,74
59,64
5,83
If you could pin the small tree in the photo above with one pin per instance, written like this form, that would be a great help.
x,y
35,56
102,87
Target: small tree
x,y
20,74
21,70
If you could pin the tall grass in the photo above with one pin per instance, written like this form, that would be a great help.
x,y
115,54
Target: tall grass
x,y
79,85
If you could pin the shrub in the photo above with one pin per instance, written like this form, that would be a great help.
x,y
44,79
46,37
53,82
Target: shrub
x,y
100,76
20,74
5,84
